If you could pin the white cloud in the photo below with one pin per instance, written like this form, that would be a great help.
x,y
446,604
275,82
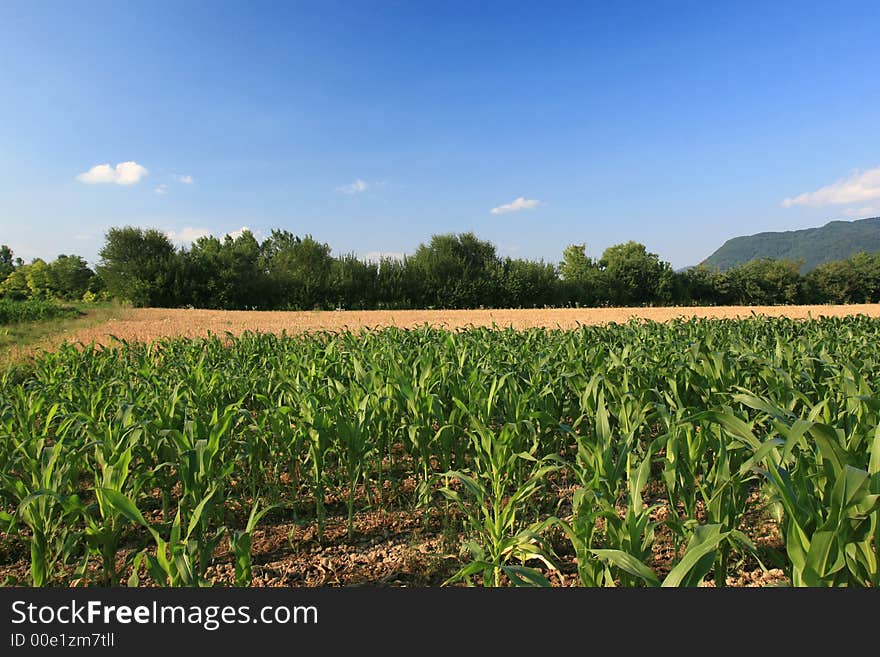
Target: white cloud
x,y
186,180
378,256
161,190
859,213
516,205
235,234
859,187
187,235
124,173
356,187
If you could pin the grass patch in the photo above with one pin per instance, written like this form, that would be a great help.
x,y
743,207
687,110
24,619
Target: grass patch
x,y
33,310
22,339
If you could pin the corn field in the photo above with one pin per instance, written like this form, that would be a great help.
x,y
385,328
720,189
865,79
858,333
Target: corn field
x,y
639,454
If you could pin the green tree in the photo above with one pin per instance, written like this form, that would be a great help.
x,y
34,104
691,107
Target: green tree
x,y
455,271
15,285
298,269
867,268
854,280
352,283
201,283
69,277
7,262
39,279
764,281
139,266
583,282
224,274
634,276
396,287
526,284
575,262
703,285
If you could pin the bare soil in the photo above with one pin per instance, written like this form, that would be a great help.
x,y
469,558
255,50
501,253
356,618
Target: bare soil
x,y
389,548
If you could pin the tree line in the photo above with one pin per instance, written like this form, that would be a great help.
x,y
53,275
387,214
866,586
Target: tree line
x,y
67,278
142,267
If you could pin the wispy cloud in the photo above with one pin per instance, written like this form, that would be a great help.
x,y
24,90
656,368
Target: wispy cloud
x,y
185,179
124,173
861,213
187,235
161,190
378,256
857,188
356,187
24,251
516,205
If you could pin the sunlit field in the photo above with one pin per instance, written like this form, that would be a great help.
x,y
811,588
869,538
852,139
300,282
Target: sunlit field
x,y
727,452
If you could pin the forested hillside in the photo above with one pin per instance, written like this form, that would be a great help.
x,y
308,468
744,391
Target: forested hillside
x,y
836,240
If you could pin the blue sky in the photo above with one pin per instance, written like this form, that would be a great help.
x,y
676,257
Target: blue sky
x,y
373,125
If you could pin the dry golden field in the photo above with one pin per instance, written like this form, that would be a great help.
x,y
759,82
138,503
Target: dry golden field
x,y
151,323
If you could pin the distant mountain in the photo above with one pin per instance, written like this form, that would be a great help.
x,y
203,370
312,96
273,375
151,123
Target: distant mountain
x,y
836,240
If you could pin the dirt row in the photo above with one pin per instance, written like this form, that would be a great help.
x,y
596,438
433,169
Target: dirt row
x,y
392,548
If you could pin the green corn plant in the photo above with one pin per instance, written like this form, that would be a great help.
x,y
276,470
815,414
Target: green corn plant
x,y
241,543
602,455
708,464
175,562
829,522
318,429
49,515
40,479
112,461
353,423
159,449
633,533
739,419
584,535
492,500
277,451
684,449
690,571
278,417
203,471
824,495
423,407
